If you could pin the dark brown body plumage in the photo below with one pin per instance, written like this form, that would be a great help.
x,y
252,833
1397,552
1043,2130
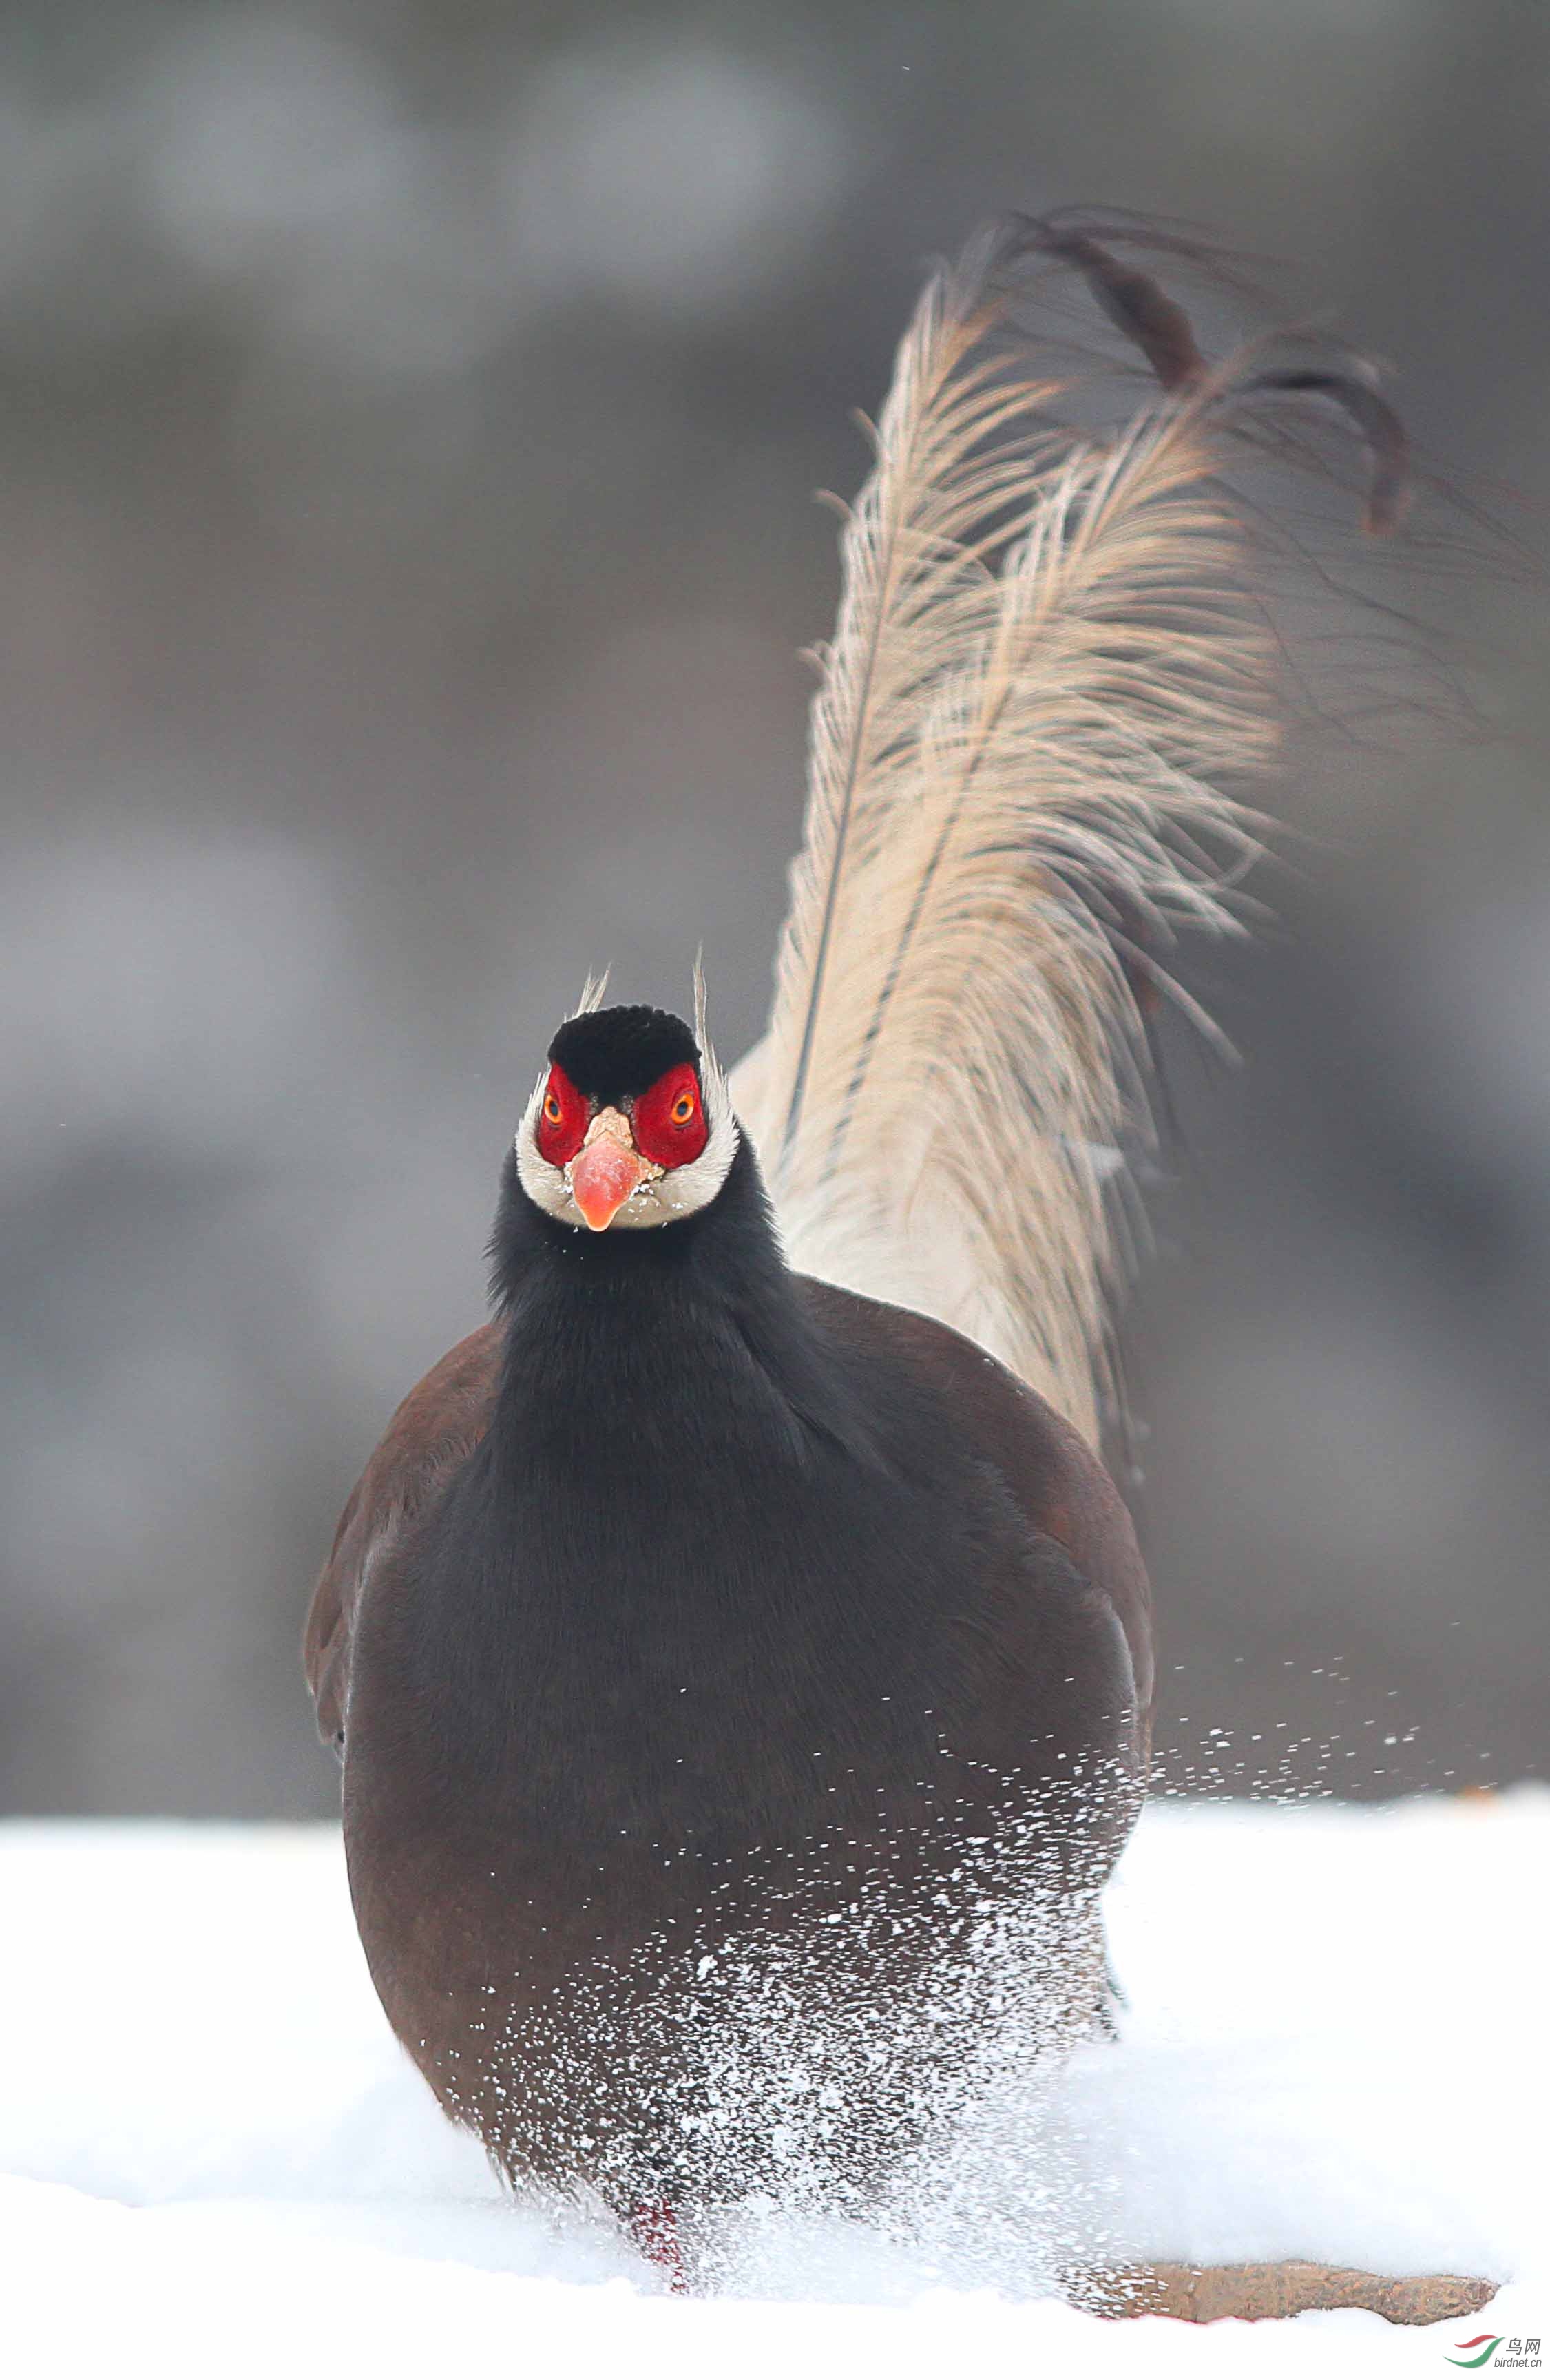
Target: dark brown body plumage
x,y
603,1708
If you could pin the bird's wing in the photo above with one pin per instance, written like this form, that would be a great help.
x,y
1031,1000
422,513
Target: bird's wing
x,y
1050,679
435,1429
1053,1477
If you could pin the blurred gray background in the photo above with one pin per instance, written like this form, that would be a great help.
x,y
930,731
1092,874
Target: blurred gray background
x,y
408,416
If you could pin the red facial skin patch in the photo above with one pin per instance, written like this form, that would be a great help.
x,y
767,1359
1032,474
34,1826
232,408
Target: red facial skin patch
x,y
668,1120
562,1117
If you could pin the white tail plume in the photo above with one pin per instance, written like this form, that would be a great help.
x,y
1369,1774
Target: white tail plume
x,y
1049,679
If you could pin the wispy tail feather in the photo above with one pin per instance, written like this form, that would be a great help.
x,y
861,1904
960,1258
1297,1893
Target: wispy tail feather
x,y
1051,677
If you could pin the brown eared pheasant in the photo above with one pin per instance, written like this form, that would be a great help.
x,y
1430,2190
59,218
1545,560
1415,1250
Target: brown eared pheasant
x,y
738,1655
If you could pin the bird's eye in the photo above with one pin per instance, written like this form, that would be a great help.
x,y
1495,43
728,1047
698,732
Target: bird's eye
x,y
682,1106
551,1108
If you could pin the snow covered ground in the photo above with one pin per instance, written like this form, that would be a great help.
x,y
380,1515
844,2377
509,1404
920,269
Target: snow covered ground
x,y
216,2161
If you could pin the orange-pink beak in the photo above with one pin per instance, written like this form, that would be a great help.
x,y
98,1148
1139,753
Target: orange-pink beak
x,y
607,1172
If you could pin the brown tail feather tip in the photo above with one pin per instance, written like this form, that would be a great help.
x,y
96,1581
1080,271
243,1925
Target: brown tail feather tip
x,y
1158,326
1134,301
1354,390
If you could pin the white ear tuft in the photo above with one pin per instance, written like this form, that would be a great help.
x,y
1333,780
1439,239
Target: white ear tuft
x,y
710,1071
593,992
700,1034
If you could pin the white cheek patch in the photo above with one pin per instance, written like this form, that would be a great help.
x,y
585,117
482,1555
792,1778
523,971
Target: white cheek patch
x,y
689,1187
545,1184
